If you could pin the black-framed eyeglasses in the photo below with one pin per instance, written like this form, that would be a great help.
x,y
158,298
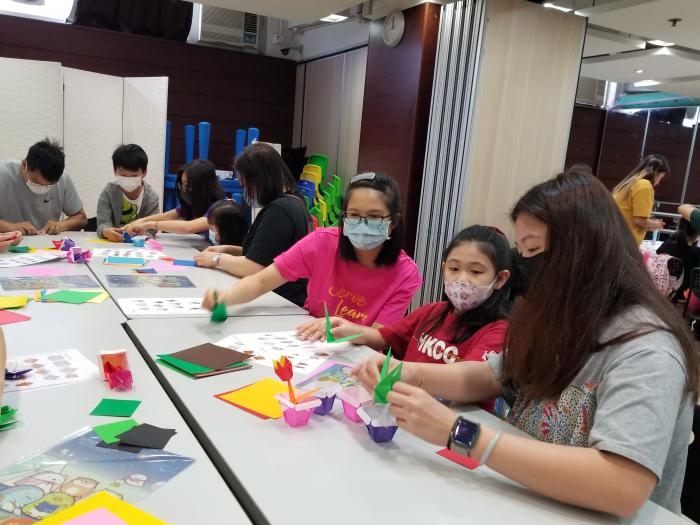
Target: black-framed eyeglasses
x,y
373,221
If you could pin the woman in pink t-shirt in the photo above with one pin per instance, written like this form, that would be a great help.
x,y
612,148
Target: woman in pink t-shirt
x,y
359,270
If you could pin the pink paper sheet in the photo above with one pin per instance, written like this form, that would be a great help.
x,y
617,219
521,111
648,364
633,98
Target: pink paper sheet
x,y
97,517
162,266
41,270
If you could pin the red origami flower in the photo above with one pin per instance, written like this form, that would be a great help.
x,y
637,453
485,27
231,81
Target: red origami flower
x,y
283,368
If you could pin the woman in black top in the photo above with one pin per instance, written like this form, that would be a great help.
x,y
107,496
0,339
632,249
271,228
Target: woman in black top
x,y
281,222
682,245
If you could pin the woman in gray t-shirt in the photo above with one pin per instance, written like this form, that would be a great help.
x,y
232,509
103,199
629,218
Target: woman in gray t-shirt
x,y
598,366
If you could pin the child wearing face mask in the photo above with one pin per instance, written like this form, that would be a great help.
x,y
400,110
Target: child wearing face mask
x,y
129,197
358,271
470,324
227,223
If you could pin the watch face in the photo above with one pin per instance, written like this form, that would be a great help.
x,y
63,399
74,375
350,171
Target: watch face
x,y
465,432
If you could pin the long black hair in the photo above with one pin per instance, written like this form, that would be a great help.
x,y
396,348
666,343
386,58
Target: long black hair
x,y
494,245
263,174
203,187
230,220
391,249
649,167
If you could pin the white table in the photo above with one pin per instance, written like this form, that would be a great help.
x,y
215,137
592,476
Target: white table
x,y
177,247
331,469
49,415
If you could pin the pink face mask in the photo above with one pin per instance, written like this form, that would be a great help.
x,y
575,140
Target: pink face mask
x,y
467,296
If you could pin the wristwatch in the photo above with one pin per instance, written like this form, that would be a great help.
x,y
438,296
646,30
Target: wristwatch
x,y
215,259
463,437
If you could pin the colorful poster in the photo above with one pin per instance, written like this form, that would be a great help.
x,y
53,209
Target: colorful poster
x,y
143,281
52,369
76,468
332,372
49,282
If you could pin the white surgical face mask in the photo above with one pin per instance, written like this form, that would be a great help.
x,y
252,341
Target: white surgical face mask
x,y
38,189
129,183
212,237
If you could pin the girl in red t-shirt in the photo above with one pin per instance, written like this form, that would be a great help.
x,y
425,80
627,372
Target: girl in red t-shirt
x,y
470,324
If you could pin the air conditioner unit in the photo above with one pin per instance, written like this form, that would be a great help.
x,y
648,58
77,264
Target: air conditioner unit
x,y
216,25
591,92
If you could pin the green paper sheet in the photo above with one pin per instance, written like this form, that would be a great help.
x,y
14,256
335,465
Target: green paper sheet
x,y
386,383
173,367
72,296
19,249
109,432
116,407
7,418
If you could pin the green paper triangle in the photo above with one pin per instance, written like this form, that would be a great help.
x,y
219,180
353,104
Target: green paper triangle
x,y
190,368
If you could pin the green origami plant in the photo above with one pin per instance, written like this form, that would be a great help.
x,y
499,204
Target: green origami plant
x,y
329,335
218,313
386,383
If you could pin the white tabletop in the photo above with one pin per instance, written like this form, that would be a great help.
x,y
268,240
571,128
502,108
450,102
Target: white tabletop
x,y
48,415
330,470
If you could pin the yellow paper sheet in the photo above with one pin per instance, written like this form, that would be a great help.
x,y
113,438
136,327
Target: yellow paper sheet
x,y
258,397
13,301
98,241
104,500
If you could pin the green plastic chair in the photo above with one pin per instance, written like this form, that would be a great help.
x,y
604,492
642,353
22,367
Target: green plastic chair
x,y
331,216
319,160
338,195
316,212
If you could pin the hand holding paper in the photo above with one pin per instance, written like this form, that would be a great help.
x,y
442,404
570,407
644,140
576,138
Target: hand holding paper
x,y
386,381
330,338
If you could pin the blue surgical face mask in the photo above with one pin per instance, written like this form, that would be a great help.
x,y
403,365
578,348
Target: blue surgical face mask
x,y
363,236
212,237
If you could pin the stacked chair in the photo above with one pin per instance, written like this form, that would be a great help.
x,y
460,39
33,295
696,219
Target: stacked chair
x,y
322,192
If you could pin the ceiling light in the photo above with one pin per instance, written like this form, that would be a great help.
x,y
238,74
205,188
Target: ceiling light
x,y
557,7
639,71
646,83
334,18
661,43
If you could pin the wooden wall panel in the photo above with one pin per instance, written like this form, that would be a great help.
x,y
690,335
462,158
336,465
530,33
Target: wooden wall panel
x,y
230,89
526,92
396,109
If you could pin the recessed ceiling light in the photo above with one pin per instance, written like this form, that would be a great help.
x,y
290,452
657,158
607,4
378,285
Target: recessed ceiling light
x,y
646,83
639,71
661,43
557,7
334,18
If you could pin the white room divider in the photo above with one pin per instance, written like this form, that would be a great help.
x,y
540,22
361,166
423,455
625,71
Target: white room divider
x,y
89,113
31,104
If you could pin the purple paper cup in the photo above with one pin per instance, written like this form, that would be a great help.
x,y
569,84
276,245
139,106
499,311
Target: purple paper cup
x,y
325,406
381,434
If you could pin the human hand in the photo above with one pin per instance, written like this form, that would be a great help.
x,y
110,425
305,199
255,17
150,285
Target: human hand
x,y
26,227
659,224
113,234
216,249
212,297
10,239
342,328
421,414
51,228
205,259
138,227
314,330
